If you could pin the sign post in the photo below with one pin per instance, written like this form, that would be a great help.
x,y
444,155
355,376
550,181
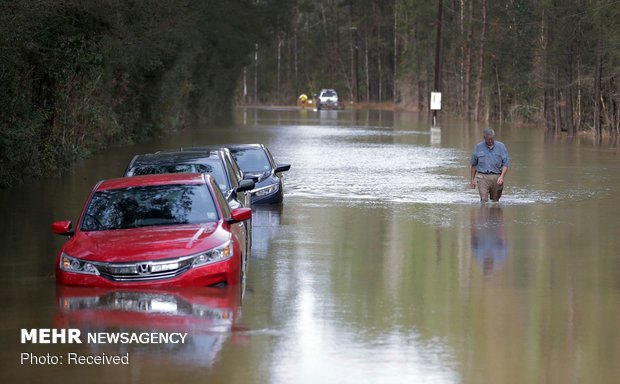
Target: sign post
x,y
435,105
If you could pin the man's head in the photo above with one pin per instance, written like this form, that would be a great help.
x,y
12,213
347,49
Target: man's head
x,y
489,137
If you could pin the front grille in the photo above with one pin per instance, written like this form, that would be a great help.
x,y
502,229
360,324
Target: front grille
x,y
145,270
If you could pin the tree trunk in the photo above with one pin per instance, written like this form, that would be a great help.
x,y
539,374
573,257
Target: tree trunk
x,y
548,110
499,93
379,67
568,97
367,63
467,87
395,70
614,108
556,106
438,47
597,91
296,64
421,89
353,32
256,74
245,85
461,80
480,61
278,90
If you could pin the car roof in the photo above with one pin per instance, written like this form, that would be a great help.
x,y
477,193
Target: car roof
x,y
201,149
245,146
174,157
148,180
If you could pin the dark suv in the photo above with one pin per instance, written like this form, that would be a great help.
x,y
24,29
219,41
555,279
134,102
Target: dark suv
x,y
217,162
257,164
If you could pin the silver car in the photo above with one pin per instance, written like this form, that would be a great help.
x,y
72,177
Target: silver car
x,y
328,99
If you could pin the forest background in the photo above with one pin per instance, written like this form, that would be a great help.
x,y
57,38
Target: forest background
x,y
78,76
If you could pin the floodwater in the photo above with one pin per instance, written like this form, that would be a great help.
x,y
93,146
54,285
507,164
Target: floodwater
x,y
380,266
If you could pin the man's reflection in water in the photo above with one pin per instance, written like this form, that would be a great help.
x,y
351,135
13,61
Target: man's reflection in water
x,y
488,236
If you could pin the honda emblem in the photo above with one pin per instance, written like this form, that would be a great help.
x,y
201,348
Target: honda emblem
x,y
144,268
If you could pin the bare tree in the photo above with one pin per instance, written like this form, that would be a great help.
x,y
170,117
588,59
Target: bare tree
x,y
480,60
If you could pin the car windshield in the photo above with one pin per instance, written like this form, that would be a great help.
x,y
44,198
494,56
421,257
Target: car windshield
x,y
212,167
252,160
329,94
149,205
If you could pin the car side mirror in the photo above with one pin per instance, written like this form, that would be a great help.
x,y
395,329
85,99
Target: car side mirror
x,y
283,168
246,185
251,177
239,214
62,228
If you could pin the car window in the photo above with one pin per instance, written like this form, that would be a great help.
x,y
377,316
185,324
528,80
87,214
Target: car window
x,y
252,160
222,202
211,167
148,206
219,174
167,168
233,176
235,167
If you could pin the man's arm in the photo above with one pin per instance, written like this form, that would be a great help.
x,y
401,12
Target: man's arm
x,y
472,181
500,179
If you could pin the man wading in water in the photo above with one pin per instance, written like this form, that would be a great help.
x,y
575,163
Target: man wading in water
x,y
489,164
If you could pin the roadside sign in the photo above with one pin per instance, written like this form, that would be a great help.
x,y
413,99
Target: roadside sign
x,y
435,101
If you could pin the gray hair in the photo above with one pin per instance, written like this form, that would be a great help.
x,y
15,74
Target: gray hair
x,y
489,132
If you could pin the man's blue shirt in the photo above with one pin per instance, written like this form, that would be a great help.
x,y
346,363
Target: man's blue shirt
x,y
490,160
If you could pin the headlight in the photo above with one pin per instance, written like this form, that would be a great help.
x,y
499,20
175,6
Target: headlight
x,y
71,264
264,191
223,252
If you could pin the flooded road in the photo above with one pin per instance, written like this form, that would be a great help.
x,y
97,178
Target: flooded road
x,y
380,266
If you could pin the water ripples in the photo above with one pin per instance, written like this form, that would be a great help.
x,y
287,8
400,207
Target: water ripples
x,y
379,165
385,173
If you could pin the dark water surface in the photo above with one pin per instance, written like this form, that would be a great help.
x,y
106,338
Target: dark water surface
x,y
380,267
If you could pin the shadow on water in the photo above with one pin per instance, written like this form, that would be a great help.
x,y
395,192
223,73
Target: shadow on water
x,y
206,316
489,245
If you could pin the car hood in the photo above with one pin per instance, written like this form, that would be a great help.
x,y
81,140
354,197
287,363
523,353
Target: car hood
x,y
266,182
148,243
257,176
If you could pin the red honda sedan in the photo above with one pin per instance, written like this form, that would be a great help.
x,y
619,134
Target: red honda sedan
x,y
169,230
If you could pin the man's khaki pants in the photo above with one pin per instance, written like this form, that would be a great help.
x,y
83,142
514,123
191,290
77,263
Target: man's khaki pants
x,y
487,186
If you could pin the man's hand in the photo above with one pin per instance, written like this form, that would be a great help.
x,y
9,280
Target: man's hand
x,y
500,180
472,184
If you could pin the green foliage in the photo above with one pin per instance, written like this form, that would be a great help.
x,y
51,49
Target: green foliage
x,y
81,75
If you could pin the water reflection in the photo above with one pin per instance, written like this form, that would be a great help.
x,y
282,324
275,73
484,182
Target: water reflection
x,y
348,290
435,137
488,237
207,315
265,228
